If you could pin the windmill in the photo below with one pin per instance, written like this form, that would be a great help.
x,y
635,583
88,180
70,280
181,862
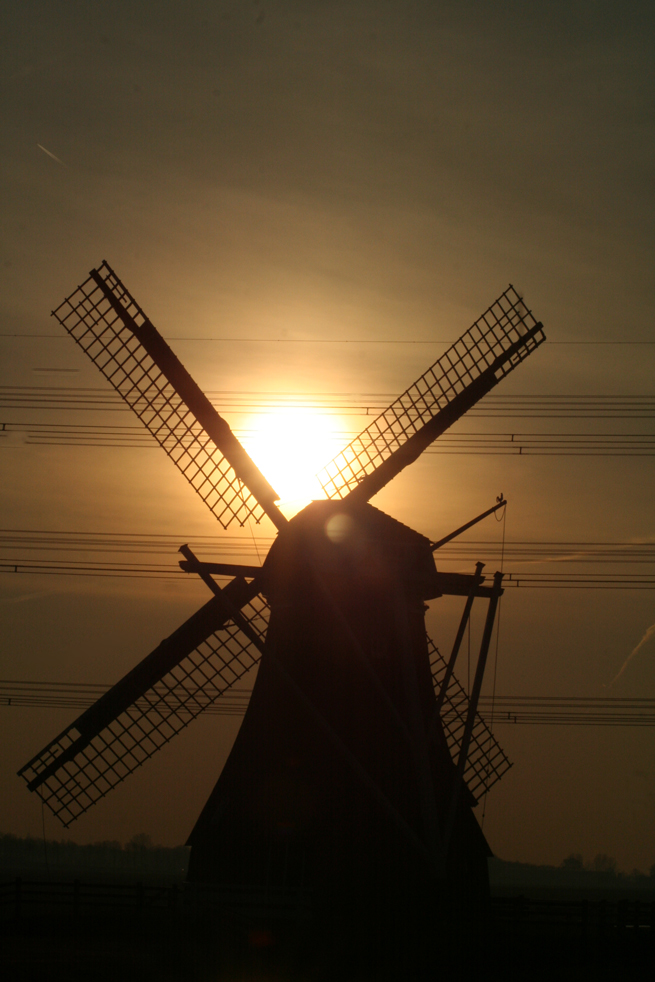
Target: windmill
x,y
360,756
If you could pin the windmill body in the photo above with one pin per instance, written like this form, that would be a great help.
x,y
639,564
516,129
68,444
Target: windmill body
x,y
355,770
339,779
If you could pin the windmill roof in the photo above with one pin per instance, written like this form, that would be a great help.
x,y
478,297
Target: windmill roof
x,y
351,538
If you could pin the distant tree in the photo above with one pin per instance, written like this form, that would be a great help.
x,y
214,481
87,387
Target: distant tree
x,y
140,841
573,862
602,863
139,856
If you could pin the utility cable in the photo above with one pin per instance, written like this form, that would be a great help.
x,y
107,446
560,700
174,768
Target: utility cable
x,y
242,340
509,710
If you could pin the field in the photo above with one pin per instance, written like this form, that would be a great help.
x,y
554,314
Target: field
x,y
65,932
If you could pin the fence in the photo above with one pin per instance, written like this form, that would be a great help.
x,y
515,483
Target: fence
x,y
20,898
575,918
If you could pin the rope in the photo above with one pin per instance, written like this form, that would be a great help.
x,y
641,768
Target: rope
x,y
250,528
254,540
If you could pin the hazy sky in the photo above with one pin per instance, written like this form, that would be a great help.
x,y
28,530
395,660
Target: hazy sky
x,y
287,174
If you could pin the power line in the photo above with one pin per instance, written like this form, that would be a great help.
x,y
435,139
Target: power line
x,y
166,571
509,710
156,543
242,340
570,710
366,403
512,444
24,551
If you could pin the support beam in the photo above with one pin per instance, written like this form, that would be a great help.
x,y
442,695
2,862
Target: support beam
x,y
477,580
473,706
463,528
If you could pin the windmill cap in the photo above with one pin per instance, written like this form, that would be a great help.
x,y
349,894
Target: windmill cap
x,y
352,545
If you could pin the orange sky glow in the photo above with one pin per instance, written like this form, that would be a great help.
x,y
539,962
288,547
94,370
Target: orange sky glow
x,y
311,207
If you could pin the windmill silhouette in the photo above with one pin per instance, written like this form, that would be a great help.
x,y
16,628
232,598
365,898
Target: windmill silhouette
x,y
360,756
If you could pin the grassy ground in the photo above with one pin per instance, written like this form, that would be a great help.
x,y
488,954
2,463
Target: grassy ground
x,y
165,947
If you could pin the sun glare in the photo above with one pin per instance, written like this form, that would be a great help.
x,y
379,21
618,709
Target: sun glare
x,y
289,445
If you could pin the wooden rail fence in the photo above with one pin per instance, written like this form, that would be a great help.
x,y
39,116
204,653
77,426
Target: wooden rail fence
x,y
20,898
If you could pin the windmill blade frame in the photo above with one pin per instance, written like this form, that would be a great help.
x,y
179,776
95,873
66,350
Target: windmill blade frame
x,y
486,761
172,686
112,329
497,342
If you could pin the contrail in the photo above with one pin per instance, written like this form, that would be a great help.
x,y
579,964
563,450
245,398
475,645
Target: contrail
x,y
23,597
650,631
51,155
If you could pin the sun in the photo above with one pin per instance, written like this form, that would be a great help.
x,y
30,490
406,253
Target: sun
x,y
289,445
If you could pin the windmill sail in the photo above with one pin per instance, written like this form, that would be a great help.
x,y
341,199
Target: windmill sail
x,y
486,762
178,681
113,330
181,678
498,341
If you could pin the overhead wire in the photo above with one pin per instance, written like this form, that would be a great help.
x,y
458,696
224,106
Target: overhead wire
x,y
338,403
515,581
570,549
504,444
242,340
154,556
508,710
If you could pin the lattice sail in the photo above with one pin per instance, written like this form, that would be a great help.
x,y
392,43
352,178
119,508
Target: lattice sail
x,y
111,328
487,761
146,709
498,341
